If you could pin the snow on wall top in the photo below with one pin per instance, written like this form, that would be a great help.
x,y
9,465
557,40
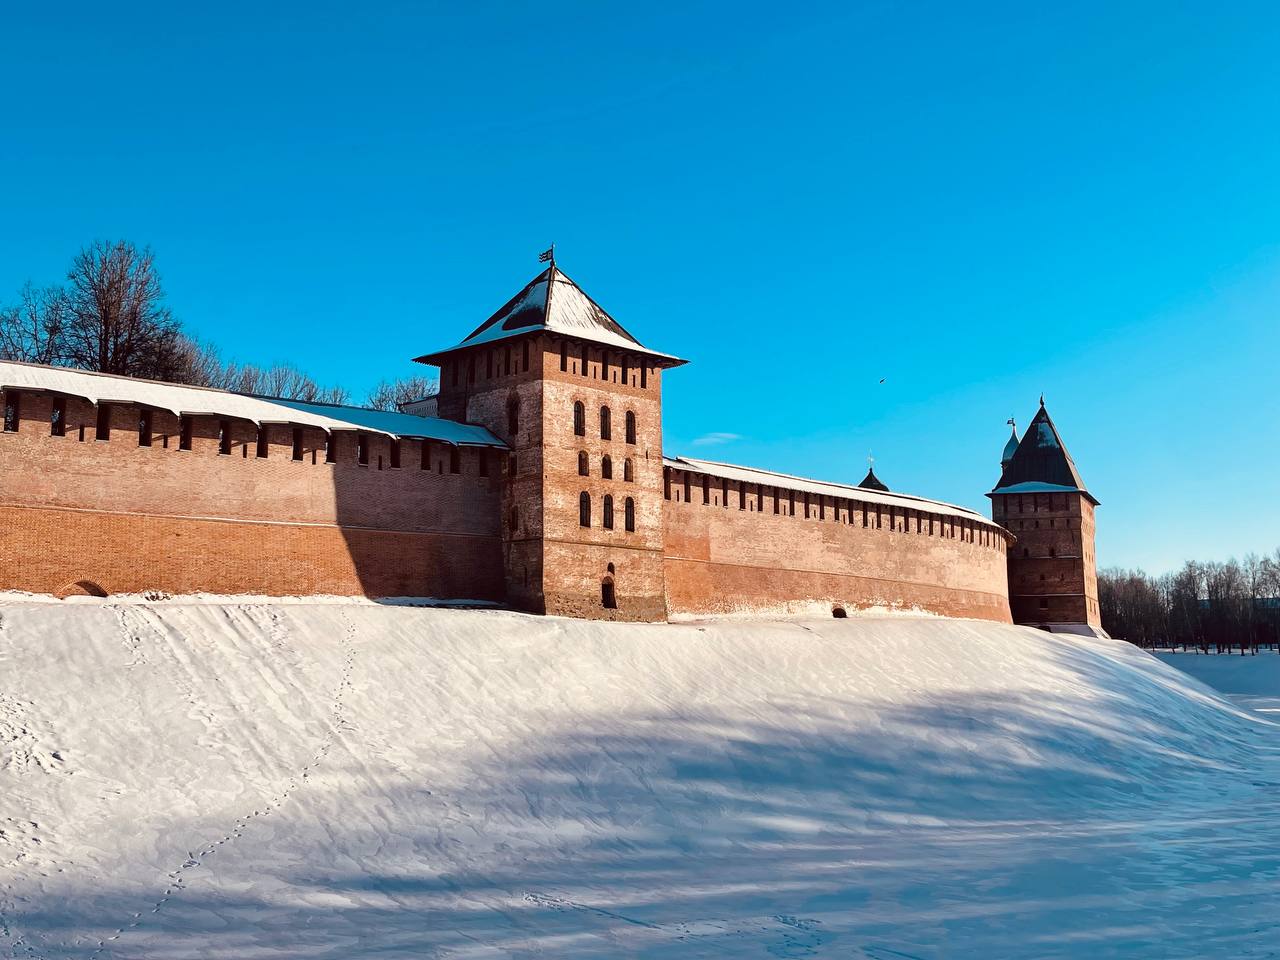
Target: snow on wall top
x,y
552,302
845,491
203,401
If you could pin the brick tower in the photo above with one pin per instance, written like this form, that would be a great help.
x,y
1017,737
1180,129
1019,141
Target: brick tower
x,y
1041,500
579,401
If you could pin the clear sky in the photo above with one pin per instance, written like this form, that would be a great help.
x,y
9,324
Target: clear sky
x,y
973,204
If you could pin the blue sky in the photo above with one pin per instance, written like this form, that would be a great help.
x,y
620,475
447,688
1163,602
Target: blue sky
x,y
975,205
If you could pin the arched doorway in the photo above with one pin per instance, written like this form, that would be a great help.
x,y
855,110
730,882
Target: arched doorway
x,y
608,596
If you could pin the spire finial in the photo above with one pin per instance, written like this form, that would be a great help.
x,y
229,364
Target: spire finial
x,y
871,461
1042,398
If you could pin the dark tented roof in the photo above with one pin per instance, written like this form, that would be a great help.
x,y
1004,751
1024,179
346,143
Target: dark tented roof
x,y
552,302
872,482
1041,463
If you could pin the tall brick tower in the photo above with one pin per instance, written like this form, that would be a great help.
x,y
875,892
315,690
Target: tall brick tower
x,y
579,401
1041,500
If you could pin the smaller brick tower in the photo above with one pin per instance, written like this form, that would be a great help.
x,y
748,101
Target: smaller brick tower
x,y
1041,500
579,402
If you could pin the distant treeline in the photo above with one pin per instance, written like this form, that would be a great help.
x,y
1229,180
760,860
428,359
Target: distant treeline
x,y
1222,606
111,315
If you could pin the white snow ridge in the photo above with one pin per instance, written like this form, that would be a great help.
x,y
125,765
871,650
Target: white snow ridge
x,y
354,781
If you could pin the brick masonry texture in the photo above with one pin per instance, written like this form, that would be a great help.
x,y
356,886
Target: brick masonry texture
x,y
728,555
85,513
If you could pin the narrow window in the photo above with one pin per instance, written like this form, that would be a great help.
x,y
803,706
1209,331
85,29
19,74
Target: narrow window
x,y
184,433
144,427
628,472
1053,551
224,438
362,449
584,509
331,448
793,503
626,369
297,443
631,426
644,374
706,489
608,594
564,356
724,491
776,507
584,467
629,514
586,354
104,422
13,410
606,433
604,364
666,480
425,454
483,462
395,453
58,418
742,496
579,419
759,498
513,416
606,468
455,460
513,518
686,488
525,355
806,506
607,520
262,450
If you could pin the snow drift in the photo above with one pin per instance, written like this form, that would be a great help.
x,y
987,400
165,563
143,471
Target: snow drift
x,y
351,781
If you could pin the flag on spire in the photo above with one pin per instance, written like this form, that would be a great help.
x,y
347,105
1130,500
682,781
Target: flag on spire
x,y
548,255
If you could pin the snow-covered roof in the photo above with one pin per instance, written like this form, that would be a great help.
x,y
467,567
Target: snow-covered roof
x,y
553,303
842,490
1036,486
204,401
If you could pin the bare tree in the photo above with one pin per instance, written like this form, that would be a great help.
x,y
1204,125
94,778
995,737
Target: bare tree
x,y
117,321
389,394
33,329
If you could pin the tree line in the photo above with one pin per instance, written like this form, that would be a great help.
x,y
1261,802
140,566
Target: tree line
x,y
111,315
1203,605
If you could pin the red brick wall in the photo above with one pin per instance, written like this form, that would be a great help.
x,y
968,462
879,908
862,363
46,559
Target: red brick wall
x,y
555,565
1052,571
131,518
733,558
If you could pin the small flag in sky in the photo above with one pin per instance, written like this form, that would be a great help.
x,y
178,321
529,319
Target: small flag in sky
x,y
548,254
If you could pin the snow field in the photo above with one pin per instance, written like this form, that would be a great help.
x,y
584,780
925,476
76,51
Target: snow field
x,y
338,780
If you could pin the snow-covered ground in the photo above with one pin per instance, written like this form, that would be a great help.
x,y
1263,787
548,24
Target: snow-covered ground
x,y
356,781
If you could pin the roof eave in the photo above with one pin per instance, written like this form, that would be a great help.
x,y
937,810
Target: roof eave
x,y
663,360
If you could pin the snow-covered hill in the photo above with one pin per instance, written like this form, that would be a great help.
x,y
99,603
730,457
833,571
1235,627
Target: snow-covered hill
x,y
346,780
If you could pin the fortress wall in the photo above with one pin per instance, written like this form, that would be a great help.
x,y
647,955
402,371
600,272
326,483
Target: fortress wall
x,y
132,518
736,554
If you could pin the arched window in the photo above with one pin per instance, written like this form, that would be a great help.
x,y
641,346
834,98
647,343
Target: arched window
x,y
631,426
579,419
607,520
629,474
584,469
584,509
608,598
606,433
606,468
513,416
629,515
